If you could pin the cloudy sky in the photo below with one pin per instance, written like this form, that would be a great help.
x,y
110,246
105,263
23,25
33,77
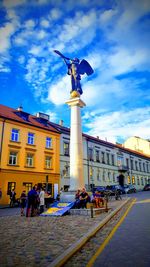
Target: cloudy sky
x,y
113,36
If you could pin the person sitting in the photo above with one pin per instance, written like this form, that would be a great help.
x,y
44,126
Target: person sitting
x,y
83,198
97,199
77,199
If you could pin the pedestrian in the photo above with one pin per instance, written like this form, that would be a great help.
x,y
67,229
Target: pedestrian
x,y
23,199
0,193
31,202
118,194
42,199
12,198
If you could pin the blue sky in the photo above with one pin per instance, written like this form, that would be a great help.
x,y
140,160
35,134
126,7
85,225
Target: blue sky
x,y
113,36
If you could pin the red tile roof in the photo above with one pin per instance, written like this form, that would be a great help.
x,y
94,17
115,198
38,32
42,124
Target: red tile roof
x,y
10,113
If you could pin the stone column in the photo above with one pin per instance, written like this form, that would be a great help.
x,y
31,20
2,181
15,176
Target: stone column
x,y
76,150
76,146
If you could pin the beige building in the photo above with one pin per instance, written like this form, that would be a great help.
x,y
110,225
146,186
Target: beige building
x,y
138,144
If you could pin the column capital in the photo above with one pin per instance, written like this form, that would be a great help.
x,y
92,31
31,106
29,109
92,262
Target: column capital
x,y
76,101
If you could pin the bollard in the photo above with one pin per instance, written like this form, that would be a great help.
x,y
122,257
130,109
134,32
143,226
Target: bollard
x,y
91,211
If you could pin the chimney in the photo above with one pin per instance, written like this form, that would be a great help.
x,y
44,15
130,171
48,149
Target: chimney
x,y
61,122
97,137
20,108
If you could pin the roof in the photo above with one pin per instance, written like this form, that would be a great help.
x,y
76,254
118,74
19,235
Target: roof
x,y
26,118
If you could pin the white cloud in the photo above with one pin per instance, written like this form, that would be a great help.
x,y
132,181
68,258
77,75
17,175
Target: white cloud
x,y
59,92
35,50
29,23
126,60
55,14
45,23
53,115
121,124
21,59
5,33
41,34
13,3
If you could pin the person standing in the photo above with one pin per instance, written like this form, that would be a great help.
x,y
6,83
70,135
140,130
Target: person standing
x,y
12,198
23,199
42,200
31,202
0,193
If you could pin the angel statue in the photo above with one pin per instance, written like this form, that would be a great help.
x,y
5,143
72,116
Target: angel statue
x,y
76,68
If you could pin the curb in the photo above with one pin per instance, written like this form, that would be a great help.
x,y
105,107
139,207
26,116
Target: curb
x,y
64,257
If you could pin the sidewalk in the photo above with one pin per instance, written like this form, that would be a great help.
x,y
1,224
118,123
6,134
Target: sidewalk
x,y
38,241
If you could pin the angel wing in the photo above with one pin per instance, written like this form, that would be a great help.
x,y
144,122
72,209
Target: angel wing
x,y
84,67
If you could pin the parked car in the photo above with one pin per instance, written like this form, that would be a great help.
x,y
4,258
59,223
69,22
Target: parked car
x,y
129,189
146,187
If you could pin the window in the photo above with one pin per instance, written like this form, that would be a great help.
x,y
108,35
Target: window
x,y
119,160
114,177
13,158
29,160
145,180
15,135
28,187
143,167
140,167
103,176
127,163
142,182
138,181
136,165
112,160
98,175
66,170
48,142
133,180
129,180
131,164
31,138
109,176
48,162
103,157
11,186
66,149
90,154
91,171
97,155
107,156
147,166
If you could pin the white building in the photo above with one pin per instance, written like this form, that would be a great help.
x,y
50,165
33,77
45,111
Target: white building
x,y
104,163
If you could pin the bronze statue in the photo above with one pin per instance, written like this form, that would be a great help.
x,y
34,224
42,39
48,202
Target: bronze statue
x,y
76,68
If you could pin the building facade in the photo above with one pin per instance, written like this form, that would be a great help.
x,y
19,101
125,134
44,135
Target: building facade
x,y
29,154
105,163
138,144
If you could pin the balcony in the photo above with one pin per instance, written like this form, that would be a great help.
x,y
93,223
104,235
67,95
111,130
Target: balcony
x,y
123,168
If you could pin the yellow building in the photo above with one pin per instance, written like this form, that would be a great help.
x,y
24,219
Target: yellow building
x,y
29,152
138,144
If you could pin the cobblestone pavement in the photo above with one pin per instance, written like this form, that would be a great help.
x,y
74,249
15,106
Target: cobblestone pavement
x,y
37,241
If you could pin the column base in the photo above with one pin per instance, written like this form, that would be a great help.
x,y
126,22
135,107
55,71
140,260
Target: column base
x,y
67,196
